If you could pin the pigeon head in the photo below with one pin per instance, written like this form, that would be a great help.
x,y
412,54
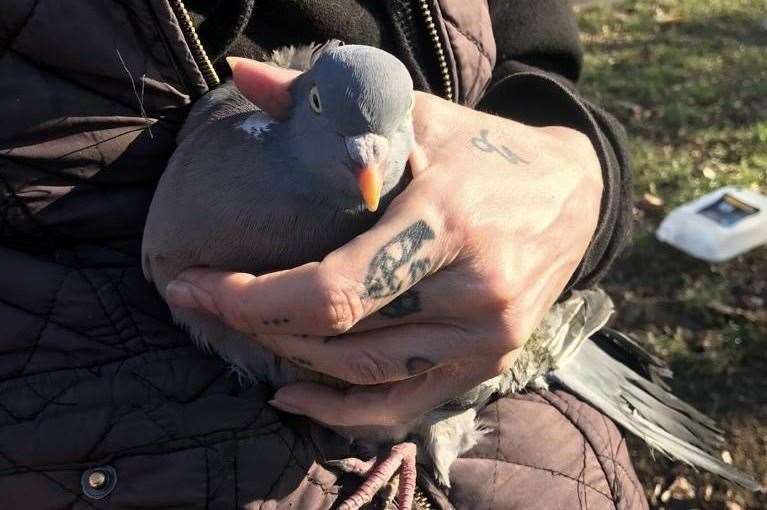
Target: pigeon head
x,y
351,121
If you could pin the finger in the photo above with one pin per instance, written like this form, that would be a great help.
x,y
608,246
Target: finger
x,y
329,297
267,86
418,160
393,404
438,299
379,356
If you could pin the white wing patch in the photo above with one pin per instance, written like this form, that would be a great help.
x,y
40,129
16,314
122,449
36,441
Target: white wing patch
x,y
256,124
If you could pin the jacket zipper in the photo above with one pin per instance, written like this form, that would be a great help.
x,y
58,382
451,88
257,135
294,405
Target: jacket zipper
x,y
421,500
431,28
195,46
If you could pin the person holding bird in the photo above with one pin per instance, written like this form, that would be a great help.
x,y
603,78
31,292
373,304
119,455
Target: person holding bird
x,y
381,248
307,178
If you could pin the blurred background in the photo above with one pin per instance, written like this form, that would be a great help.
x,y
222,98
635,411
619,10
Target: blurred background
x,y
688,79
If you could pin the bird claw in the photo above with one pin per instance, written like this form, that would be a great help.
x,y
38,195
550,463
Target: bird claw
x,y
378,474
352,466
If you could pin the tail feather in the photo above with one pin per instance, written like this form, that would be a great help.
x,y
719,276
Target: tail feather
x,y
676,421
634,400
668,399
629,352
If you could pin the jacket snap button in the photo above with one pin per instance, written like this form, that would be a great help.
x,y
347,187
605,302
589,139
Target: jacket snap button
x,y
98,482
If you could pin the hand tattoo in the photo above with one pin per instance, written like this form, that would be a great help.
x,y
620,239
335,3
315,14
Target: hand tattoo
x,y
482,143
384,278
301,361
408,303
417,365
283,320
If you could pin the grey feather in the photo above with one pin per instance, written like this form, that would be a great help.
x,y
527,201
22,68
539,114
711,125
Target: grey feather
x,y
219,103
647,409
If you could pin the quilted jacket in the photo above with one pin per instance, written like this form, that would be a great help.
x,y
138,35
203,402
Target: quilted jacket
x,y
103,402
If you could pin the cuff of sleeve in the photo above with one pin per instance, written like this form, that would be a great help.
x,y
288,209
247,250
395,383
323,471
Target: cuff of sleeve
x,y
538,99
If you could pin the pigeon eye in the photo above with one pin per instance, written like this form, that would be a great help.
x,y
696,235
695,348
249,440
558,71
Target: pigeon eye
x,y
314,100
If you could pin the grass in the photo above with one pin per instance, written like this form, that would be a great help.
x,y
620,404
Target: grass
x,y
688,78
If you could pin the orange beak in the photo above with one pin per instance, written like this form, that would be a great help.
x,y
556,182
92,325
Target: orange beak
x,y
368,153
370,182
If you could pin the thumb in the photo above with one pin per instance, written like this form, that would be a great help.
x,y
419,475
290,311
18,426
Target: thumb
x,y
267,86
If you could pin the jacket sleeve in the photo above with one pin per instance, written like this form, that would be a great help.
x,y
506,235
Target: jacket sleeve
x,y
539,60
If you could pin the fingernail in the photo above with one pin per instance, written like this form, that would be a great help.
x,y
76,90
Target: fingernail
x,y
233,62
285,406
181,294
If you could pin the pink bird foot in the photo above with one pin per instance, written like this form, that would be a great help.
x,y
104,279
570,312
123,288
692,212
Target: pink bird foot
x,y
377,474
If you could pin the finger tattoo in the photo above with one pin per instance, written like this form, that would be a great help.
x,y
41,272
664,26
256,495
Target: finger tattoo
x,y
281,320
301,361
408,303
418,365
384,277
482,143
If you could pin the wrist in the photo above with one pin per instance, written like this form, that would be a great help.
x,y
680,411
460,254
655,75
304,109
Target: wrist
x,y
580,152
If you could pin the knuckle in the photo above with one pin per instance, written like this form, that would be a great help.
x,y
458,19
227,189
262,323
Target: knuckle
x,y
511,335
580,149
426,108
500,291
340,307
572,137
582,144
233,302
365,369
235,312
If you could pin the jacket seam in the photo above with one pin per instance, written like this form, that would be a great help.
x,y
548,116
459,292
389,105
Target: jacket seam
x,y
17,33
499,457
207,480
61,76
236,472
469,37
587,440
624,470
109,316
14,197
13,379
46,322
232,433
181,78
27,469
554,472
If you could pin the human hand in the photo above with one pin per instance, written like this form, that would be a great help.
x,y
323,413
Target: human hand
x,y
443,291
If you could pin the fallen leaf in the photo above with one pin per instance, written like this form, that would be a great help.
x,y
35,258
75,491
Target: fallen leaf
x,y
650,203
681,490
